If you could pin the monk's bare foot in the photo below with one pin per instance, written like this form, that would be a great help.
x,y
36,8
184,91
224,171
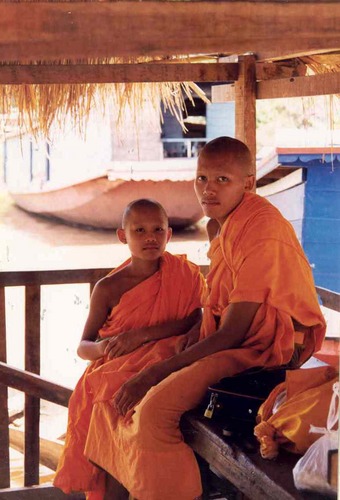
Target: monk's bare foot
x,y
114,490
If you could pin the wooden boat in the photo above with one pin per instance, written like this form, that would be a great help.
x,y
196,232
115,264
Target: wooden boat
x,y
100,201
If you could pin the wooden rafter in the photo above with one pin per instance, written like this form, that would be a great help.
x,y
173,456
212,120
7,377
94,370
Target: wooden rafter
x,y
323,84
83,30
118,73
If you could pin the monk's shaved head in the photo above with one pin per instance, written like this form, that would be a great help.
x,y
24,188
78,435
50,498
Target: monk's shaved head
x,y
140,204
228,147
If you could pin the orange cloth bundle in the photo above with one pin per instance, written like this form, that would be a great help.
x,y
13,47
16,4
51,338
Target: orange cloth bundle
x,y
305,398
170,294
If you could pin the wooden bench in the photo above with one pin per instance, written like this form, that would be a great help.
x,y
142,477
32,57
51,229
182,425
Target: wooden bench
x,y
236,461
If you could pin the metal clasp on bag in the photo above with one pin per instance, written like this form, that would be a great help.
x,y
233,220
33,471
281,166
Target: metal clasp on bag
x,y
211,406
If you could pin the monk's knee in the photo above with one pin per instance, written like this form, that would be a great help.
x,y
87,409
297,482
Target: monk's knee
x,y
147,415
156,422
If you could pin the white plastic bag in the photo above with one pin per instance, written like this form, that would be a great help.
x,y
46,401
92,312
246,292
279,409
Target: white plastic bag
x,y
310,472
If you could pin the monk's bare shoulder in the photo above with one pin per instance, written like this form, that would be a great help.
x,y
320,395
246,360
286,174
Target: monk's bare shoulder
x,y
111,288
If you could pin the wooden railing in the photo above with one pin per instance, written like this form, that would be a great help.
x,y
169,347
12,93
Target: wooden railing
x,y
29,380
33,386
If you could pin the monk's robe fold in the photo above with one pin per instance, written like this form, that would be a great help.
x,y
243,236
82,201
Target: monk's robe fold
x,y
170,294
256,257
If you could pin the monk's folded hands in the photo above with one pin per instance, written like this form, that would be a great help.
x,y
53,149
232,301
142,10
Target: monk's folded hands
x,y
125,343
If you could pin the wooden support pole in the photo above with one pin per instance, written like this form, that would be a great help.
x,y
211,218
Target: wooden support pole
x,y
245,105
32,364
4,435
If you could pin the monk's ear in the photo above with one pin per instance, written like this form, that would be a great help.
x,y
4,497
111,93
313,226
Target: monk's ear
x,y
169,234
249,182
121,235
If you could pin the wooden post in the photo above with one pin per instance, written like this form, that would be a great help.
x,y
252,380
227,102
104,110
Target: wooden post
x,y
4,434
245,104
32,364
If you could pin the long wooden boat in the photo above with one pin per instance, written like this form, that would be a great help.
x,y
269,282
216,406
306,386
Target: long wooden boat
x,y
100,201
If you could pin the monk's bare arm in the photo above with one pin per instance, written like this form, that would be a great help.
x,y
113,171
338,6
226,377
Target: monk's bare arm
x,y
131,340
88,347
230,335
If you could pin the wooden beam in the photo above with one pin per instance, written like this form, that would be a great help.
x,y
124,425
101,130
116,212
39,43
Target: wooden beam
x,y
50,451
118,73
58,277
63,30
41,492
245,105
4,436
322,84
272,70
34,385
313,85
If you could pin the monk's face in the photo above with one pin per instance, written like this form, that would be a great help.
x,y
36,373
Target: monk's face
x,y
220,184
146,232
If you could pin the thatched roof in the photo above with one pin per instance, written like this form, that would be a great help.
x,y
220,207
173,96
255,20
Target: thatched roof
x,y
59,57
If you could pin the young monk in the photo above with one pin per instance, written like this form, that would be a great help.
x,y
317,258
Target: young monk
x,y
137,314
262,310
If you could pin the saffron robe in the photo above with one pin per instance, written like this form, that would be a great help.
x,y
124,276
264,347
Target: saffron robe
x,y
256,258
170,294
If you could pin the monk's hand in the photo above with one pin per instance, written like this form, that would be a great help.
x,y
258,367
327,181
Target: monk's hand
x,y
134,390
188,340
124,343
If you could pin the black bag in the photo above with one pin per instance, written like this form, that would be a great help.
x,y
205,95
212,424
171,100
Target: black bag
x,y
241,396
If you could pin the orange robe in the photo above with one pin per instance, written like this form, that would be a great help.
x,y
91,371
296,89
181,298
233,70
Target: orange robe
x,y
170,294
255,258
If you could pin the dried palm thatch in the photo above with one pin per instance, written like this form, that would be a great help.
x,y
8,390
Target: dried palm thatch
x,y
38,107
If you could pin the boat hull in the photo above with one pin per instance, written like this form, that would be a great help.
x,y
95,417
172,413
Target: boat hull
x,y
100,202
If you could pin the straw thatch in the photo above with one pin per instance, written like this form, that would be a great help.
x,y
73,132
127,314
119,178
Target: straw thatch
x,y
39,107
